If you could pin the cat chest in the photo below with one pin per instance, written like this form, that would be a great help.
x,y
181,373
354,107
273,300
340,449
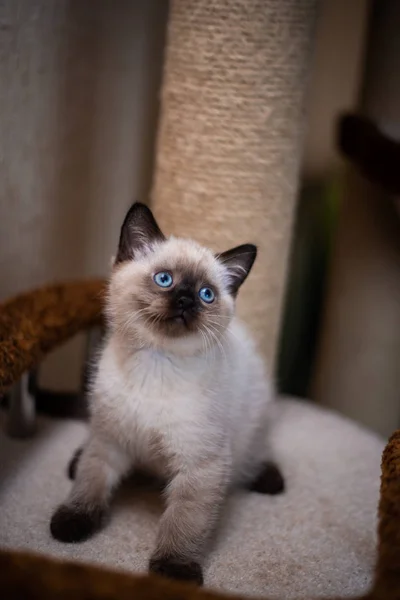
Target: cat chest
x,y
152,422
153,406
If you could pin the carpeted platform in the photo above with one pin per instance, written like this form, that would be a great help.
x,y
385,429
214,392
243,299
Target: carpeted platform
x,y
317,540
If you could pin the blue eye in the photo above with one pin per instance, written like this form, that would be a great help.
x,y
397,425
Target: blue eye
x,y
163,279
207,295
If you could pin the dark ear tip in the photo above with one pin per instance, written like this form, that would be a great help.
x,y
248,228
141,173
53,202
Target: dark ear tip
x,y
135,207
139,229
253,249
139,206
138,210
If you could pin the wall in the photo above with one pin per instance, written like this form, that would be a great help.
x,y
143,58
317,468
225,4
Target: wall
x,y
358,370
78,105
336,79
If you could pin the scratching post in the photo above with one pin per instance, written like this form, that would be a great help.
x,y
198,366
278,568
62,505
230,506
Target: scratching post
x,y
230,135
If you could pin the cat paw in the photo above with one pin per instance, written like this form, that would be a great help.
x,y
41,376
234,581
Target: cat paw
x,y
175,569
73,525
269,481
73,463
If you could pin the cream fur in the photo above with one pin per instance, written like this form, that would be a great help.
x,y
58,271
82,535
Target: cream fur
x,y
192,409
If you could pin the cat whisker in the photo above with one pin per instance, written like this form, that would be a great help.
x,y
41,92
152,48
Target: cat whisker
x,y
223,330
226,317
209,345
204,339
133,318
204,334
216,340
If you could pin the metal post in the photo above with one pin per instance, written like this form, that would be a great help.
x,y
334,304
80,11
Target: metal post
x,y
21,421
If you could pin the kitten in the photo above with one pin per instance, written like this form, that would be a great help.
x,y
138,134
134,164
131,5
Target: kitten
x,y
179,390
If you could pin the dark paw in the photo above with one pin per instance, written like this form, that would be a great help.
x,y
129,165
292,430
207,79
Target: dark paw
x,y
269,481
73,463
74,525
174,569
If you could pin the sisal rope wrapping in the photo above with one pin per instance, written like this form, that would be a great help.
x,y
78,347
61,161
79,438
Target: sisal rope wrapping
x,y
230,136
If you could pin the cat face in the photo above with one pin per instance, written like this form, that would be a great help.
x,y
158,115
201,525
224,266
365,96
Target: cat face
x,y
172,293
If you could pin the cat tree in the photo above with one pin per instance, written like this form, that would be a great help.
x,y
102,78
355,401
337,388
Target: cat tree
x,y
230,135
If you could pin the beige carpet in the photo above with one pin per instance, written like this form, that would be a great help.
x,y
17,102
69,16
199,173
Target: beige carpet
x,y
317,539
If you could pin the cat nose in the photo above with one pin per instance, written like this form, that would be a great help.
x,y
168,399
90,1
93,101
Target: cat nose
x,y
185,302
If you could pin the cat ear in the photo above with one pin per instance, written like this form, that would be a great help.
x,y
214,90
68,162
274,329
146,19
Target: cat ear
x,y
238,262
138,232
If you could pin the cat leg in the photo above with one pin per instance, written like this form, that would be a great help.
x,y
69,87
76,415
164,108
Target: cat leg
x,y
269,479
73,464
100,468
266,476
194,498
